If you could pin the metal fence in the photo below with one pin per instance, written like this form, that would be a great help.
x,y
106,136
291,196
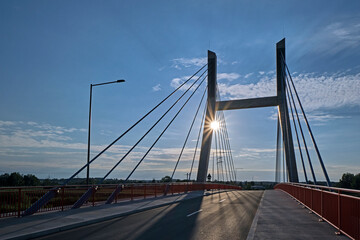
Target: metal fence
x,y
15,200
338,206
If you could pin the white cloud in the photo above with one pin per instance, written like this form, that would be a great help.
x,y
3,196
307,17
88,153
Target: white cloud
x,y
315,91
265,87
227,76
26,146
7,123
176,82
319,117
335,37
156,88
178,63
248,75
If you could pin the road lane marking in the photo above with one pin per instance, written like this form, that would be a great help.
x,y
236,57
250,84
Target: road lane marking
x,y
194,213
222,200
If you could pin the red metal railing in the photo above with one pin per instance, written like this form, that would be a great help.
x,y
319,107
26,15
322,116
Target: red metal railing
x,y
15,200
338,206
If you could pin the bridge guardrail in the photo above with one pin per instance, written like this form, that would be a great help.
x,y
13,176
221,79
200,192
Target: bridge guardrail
x,y
15,200
340,207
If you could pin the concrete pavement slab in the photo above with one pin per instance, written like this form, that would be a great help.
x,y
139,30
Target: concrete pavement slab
x,y
281,217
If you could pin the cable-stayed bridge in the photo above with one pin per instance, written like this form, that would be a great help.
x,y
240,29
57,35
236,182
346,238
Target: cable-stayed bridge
x,y
213,155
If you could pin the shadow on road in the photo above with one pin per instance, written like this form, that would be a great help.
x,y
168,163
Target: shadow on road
x,y
167,227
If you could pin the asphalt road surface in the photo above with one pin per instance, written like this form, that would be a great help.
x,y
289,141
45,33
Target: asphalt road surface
x,y
226,215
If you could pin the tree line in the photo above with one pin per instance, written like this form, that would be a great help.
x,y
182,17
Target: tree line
x,y
348,180
17,179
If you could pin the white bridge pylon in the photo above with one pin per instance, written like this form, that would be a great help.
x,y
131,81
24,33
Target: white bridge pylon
x,y
279,100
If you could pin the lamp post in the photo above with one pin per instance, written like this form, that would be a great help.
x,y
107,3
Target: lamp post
x,y
88,151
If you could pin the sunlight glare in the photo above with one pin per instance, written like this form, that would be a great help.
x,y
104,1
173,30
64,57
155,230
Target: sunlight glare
x,y
214,125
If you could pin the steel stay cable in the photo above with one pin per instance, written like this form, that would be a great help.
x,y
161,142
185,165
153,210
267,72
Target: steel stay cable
x,y
152,127
221,158
187,137
50,194
164,130
87,194
278,153
222,129
198,138
225,140
283,161
297,135
302,133
288,128
123,134
309,128
229,147
303,137
221,150
301,130
227,168
217,158
213,167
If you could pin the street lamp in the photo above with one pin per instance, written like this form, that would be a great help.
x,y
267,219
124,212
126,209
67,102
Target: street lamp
x,y
88,151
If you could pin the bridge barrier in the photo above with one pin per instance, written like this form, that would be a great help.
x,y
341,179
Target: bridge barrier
x,y
340,207
15,200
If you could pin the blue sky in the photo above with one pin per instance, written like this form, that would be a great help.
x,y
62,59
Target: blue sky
x,y
51,51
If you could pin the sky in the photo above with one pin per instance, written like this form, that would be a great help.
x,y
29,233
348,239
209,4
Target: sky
x,y
51,51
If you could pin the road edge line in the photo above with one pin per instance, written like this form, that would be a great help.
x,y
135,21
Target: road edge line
x,y
251,233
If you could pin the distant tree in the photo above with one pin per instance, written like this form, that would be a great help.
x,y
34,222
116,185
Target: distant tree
x,y
50,182
356,181
4,179
15,179
166,179
346,180
31,180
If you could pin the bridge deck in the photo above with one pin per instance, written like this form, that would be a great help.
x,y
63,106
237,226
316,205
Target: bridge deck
x,y
46,223
281,217
227,215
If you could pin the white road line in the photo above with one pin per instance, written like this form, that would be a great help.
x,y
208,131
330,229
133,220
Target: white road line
x,y
194,213
222,200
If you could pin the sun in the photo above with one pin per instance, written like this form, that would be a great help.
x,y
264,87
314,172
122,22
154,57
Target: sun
x,y
214,125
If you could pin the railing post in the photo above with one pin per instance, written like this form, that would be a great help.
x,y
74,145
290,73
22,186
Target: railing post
x,y
155,190
19,202
132,192
339,215
311,199
117,196
62,198
144,191
93,196
321,205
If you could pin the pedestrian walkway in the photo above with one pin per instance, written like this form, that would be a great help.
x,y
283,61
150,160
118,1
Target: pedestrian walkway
x,y
45,223
281,217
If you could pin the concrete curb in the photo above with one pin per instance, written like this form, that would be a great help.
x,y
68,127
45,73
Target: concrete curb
x,y
252,230
42,233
